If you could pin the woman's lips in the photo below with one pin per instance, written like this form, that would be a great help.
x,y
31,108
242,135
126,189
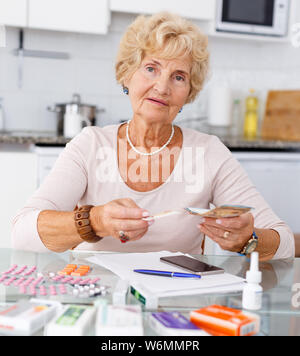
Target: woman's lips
x,y
158,101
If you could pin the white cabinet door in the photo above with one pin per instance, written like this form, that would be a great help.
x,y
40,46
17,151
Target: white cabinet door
x,y
13,12
196,9
18,183
47,156
86,16
277,178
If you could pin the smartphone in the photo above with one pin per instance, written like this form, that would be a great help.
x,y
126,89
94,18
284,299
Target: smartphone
x,y
192,265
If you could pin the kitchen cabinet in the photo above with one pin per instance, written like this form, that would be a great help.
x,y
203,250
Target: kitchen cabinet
x,y
85,16
18,183
277,177
13,12
196,9
47,156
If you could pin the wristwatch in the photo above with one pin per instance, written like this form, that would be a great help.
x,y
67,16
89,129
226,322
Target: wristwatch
x,y
251,245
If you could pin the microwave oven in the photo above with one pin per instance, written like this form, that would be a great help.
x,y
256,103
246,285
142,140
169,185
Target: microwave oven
x,y
259,17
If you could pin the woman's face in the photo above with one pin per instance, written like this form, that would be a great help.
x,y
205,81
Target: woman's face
x,y
159,88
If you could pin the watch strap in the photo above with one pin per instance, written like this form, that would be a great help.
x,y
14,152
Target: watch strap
x,y
253,238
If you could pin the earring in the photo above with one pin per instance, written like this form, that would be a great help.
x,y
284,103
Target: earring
x,y
125,90
180,111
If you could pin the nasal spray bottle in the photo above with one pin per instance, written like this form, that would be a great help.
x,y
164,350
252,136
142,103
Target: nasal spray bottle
x,y
252,293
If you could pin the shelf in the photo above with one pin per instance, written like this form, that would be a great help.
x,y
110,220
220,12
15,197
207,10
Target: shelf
x,y
247,37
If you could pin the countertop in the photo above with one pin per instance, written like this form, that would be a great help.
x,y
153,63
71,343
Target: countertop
x,y
33,137
46,138
237,144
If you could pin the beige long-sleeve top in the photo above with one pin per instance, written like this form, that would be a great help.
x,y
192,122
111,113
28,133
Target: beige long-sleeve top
x,y
87,173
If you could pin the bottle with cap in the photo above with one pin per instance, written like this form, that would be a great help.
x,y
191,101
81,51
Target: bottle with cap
x,y
253,291
251,116
237,119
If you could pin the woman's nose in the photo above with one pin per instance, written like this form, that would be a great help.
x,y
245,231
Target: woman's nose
x,y
162,85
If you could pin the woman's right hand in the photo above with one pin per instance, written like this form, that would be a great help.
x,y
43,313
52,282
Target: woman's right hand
x,y
120,215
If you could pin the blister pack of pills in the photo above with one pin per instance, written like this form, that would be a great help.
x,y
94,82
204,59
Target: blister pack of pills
x,y
71,281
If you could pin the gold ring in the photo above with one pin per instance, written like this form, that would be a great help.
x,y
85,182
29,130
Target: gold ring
x,y
226,235
123,237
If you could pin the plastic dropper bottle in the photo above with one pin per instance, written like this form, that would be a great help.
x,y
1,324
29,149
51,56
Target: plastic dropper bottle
x,y
253,291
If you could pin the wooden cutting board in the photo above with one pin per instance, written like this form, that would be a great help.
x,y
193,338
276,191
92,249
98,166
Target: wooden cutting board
x,y
282,116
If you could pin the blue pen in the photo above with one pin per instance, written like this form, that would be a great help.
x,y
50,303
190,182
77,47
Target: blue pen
x,y
167,273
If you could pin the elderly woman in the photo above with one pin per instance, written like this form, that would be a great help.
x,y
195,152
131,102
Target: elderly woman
x,y
121,175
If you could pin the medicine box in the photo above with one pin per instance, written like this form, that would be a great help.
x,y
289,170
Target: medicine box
x,y
173,324
74,320
27,317
222,321
119,320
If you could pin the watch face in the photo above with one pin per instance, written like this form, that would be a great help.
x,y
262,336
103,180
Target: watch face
x,y
251,247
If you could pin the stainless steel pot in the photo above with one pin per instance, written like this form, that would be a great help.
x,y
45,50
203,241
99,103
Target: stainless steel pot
x,y
88,113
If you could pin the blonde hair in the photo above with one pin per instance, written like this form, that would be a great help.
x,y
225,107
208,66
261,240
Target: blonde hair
x,y
170,36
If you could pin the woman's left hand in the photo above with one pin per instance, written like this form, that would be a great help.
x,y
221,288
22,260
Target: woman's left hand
x,y
232,234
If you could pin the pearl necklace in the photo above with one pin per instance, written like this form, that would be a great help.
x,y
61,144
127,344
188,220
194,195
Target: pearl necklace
x,y
143,153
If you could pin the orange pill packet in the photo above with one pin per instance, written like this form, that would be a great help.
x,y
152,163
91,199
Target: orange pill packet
x,y
222,321
81,271
72,270
67,270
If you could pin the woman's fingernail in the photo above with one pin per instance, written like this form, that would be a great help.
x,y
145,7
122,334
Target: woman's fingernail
x,y
150,222
146,214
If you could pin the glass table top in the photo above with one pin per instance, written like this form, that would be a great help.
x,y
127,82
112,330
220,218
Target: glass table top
x,y
280,312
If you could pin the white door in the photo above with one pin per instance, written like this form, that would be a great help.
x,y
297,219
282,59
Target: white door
x,y
18,183
197,9
13,12
87,16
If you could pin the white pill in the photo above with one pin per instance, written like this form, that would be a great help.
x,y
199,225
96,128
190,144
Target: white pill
x,y
75,291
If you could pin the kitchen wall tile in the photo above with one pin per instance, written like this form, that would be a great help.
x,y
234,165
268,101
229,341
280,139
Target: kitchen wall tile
x,y
120,108
50,40
2,69
19,104
120,21
116,38
92,47
228,53
45,75
94,76
8,72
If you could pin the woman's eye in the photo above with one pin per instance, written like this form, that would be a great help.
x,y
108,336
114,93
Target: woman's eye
x,y
179,78
150,69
